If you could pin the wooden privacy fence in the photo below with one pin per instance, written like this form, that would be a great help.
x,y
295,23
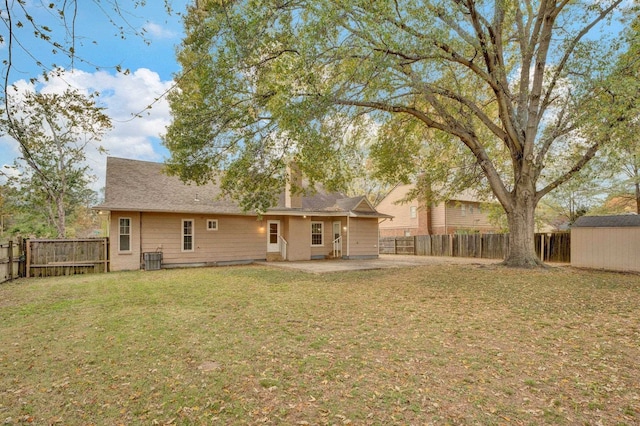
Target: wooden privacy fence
x,y
9,261
555,247
49,258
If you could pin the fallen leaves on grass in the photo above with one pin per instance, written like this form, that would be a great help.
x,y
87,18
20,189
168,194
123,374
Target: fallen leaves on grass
x,y
436,344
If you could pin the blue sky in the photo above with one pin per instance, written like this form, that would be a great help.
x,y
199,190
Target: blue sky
x,y
147,50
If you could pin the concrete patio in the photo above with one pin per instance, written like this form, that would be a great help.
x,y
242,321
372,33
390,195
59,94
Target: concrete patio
x,y
385,261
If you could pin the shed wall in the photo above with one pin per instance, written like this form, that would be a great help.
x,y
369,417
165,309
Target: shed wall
x,y
616,249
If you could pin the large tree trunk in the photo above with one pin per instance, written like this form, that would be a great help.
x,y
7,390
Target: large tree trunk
x,y
521,222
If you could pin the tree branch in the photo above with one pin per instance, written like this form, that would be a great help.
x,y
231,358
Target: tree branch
x,y
468,138
589,154
570,49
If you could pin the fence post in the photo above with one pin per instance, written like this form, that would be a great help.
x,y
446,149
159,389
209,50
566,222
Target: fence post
x,y
10,260
106,254
451,251
28,259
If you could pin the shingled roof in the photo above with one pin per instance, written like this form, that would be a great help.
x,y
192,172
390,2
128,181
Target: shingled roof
x,y
617,221
133,185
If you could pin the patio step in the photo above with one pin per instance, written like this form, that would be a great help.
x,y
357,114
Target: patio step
x,y
274,257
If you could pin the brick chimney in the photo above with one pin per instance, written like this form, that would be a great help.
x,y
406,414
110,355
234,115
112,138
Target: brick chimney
x,y
293,189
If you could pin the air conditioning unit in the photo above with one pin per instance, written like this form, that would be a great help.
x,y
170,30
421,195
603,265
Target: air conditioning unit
x,y
152,260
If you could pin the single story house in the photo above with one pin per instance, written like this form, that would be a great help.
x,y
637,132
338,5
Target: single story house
x,y
151,212
462,213
606,242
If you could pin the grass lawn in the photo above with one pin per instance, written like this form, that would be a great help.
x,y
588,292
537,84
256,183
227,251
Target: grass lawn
x,y
257,345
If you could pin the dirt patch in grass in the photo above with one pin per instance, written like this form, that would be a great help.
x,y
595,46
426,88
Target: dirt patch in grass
x,y
248,345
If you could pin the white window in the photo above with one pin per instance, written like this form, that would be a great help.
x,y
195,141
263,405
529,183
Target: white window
x,y
316,233
212,224
463,209
413,212
124,234
187,235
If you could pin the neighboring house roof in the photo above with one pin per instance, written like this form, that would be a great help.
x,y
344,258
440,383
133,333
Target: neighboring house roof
x,y
133,185
617,221
467,195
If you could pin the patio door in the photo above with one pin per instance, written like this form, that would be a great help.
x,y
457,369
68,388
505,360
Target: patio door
x,y
273,236
337,240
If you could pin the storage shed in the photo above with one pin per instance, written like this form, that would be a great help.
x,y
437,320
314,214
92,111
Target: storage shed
x,y
606,242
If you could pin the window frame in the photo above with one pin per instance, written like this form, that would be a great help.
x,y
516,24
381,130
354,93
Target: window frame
x,y
212,221
321,233
120,235
192,235
413,212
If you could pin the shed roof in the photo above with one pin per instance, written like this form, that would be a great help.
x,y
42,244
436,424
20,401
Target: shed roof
x,y
133,185
614,221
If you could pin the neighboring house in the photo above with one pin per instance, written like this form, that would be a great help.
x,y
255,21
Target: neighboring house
x,y
149,211
462,213
606,242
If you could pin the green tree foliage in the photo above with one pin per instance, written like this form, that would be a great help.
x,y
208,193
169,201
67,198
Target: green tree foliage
x,y
53,131
505,90
625,88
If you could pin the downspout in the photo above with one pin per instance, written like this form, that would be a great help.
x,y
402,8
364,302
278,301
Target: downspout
x,y
140,240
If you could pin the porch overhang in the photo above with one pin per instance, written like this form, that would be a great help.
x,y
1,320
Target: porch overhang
x,y
324,213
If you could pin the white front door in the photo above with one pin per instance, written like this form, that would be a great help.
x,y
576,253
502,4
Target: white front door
x,y
273,236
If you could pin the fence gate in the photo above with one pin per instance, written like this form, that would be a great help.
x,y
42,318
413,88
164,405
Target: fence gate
x,y
49,258
10,257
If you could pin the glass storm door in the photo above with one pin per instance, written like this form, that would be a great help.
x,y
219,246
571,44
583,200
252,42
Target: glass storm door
x,y
337,233
273,236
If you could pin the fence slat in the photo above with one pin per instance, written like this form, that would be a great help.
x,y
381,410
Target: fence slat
x,y
9,261
405,245
46,258
555,247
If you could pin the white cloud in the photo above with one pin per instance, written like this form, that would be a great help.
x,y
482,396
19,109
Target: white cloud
x,y
157,31
136,128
